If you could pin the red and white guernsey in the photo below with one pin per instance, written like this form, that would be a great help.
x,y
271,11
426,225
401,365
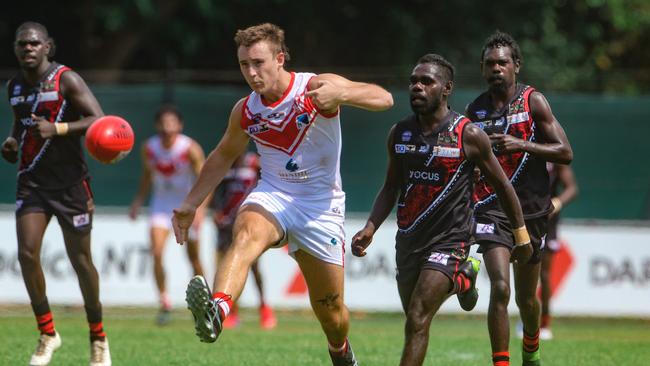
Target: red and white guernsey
x,y
299,146
172,172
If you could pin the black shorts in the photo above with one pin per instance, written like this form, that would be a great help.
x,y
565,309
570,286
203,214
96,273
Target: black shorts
x,y
224,238
490,230
445,258
72,206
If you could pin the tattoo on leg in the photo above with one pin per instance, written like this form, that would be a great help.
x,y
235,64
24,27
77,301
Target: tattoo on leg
x,y
329,300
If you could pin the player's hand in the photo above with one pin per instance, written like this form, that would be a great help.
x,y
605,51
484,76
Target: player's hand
x,y
10,150
521,253
43,128
134,210
506,143
362,239
326,96
181,222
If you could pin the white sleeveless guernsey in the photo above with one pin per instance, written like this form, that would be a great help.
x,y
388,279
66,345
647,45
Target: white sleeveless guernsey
x,y
172,172
299,146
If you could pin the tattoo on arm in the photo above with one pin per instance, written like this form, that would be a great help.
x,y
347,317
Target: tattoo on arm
x,y
329,300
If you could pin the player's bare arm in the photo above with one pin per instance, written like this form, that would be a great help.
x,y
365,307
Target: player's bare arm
x,y
569,192
381,208
74,90
556,147
144,187
10,144
478,150
232,144
329,91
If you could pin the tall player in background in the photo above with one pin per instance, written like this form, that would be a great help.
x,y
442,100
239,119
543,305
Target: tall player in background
x,y
294,119
227,199
564,189
525,135
171,162
431,159
52,109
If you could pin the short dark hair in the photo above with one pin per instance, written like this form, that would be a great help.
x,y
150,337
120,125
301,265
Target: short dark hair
x,y
503,39
39,28
263,32
438,60
168,109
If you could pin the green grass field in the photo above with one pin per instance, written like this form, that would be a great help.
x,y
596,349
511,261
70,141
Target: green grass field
x,y
376,338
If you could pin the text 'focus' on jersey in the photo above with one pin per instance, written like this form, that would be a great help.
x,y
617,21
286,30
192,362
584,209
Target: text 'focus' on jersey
x,y
434,205
526,172
299,145
172,174
53,163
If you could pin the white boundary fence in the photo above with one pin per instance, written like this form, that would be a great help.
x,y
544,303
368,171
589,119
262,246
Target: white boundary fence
x,y
609,274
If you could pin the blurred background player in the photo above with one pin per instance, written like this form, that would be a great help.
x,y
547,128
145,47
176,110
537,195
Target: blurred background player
x,y
52,109
564,189
525,135
170,163
227,199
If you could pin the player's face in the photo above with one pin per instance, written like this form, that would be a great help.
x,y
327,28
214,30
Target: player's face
x,y
498,67
260,66
31,48
427,88
169,125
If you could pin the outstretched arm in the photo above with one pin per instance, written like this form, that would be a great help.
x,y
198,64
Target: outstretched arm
x,y
329,91
478,150
556,147
384,203
232,144
81,99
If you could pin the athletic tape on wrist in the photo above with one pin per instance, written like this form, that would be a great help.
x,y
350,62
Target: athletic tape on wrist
x,y
521,236
557,204
61,128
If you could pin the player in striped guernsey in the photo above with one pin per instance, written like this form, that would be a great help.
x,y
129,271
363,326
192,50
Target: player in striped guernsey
x,y
431,158
52,109
294,119
525,135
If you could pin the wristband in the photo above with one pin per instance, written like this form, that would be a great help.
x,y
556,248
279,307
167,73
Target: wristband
x,y
61,128
521,236
557,204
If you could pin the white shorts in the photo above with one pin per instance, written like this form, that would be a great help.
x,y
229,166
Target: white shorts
x,y
163,220
315,226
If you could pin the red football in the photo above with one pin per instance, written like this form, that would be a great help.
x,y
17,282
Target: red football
x,y
109,139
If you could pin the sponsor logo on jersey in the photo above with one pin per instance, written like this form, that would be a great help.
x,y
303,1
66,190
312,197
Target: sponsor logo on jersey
x,y
27,121
302,120
48,85
257,128
17,89
484,228
437,257
424,175
481,113
291,166
446,152
276,115
81,220
447,138
518,118
403,149
48,96
406,136
16,100
424,149
19,204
